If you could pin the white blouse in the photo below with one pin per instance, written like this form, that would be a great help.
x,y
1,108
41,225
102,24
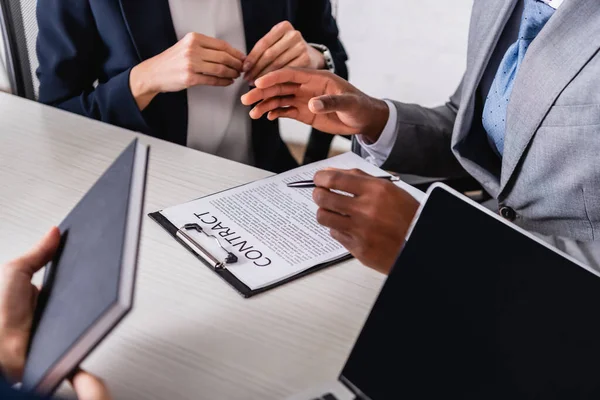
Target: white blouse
x,y
218,123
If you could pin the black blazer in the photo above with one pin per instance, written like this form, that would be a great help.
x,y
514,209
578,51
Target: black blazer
x,y
82,42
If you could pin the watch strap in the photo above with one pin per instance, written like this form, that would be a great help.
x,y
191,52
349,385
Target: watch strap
x,y
329,63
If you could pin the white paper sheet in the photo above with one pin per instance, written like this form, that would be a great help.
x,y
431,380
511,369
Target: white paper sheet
x,y
271,228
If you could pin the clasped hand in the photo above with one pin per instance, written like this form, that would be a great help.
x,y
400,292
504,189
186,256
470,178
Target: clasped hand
x,y
202,60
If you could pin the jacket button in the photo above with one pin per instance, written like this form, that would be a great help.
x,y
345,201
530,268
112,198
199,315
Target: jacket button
x,y
508,213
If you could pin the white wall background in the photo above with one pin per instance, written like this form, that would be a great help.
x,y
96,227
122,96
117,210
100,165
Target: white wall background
x,y
407,50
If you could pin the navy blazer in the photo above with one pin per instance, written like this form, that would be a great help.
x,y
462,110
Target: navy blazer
x,y
87,48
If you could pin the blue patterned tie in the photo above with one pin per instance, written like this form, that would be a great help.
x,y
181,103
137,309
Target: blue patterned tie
x,y
535,15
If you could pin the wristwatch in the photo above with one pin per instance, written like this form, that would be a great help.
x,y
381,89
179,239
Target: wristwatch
x,y
329,63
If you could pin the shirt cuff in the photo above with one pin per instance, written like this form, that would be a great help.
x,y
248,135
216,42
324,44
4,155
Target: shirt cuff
x,y
377,153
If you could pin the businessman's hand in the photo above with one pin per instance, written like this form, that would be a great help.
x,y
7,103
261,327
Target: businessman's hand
x,y
195,60
18,297
320,99
373,224
282,47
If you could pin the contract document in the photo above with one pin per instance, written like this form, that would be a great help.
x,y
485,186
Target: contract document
x,y
267,230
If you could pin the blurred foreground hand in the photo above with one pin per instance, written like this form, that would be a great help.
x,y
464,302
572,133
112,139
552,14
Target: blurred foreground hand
x,y
18,298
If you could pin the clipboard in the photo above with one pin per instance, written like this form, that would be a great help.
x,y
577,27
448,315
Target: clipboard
x,y
291,218
218,262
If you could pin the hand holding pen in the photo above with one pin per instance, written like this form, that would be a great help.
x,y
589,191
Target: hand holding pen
x,y
311,184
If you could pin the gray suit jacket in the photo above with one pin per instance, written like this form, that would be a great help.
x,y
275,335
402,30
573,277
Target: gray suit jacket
x,y
550,171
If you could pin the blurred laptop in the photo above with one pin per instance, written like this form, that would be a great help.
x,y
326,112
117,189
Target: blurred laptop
x,y
476,309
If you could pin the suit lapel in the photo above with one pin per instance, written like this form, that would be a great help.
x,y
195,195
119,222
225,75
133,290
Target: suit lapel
x,y
496,15
151,28
555,57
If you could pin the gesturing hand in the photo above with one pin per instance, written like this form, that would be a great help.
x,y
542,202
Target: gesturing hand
x,y
373,224
18,299
195,60
320,99
282,47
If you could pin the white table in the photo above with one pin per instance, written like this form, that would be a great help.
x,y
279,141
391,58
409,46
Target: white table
x,y
190,336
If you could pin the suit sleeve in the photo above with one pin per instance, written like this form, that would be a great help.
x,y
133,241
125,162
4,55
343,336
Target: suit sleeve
x,y
70,56
423,140
317,24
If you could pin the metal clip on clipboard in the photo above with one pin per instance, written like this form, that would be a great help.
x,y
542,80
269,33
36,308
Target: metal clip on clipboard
x,y
201,251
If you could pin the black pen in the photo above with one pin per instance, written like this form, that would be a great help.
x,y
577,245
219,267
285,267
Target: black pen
x,y
311,184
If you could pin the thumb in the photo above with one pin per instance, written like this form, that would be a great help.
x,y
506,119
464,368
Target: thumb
x,y
332,103
41,253
89,387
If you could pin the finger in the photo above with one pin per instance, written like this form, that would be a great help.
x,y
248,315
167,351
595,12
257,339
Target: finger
x,y
208,42
343,181
329,104
256,95
41,254
334,202
290,112
89,387
221,57
299,76
290,58
218,70
298,62
266,42
344,238
354,171
272,104
207,80
334,220
288,41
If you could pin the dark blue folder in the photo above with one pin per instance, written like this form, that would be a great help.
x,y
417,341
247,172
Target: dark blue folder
x,y
88,287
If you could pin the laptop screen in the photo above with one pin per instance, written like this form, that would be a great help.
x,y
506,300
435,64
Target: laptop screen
x,y
476,310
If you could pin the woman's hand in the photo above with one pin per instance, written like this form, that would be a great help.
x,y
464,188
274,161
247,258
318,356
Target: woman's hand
x,y
282,47
195,60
